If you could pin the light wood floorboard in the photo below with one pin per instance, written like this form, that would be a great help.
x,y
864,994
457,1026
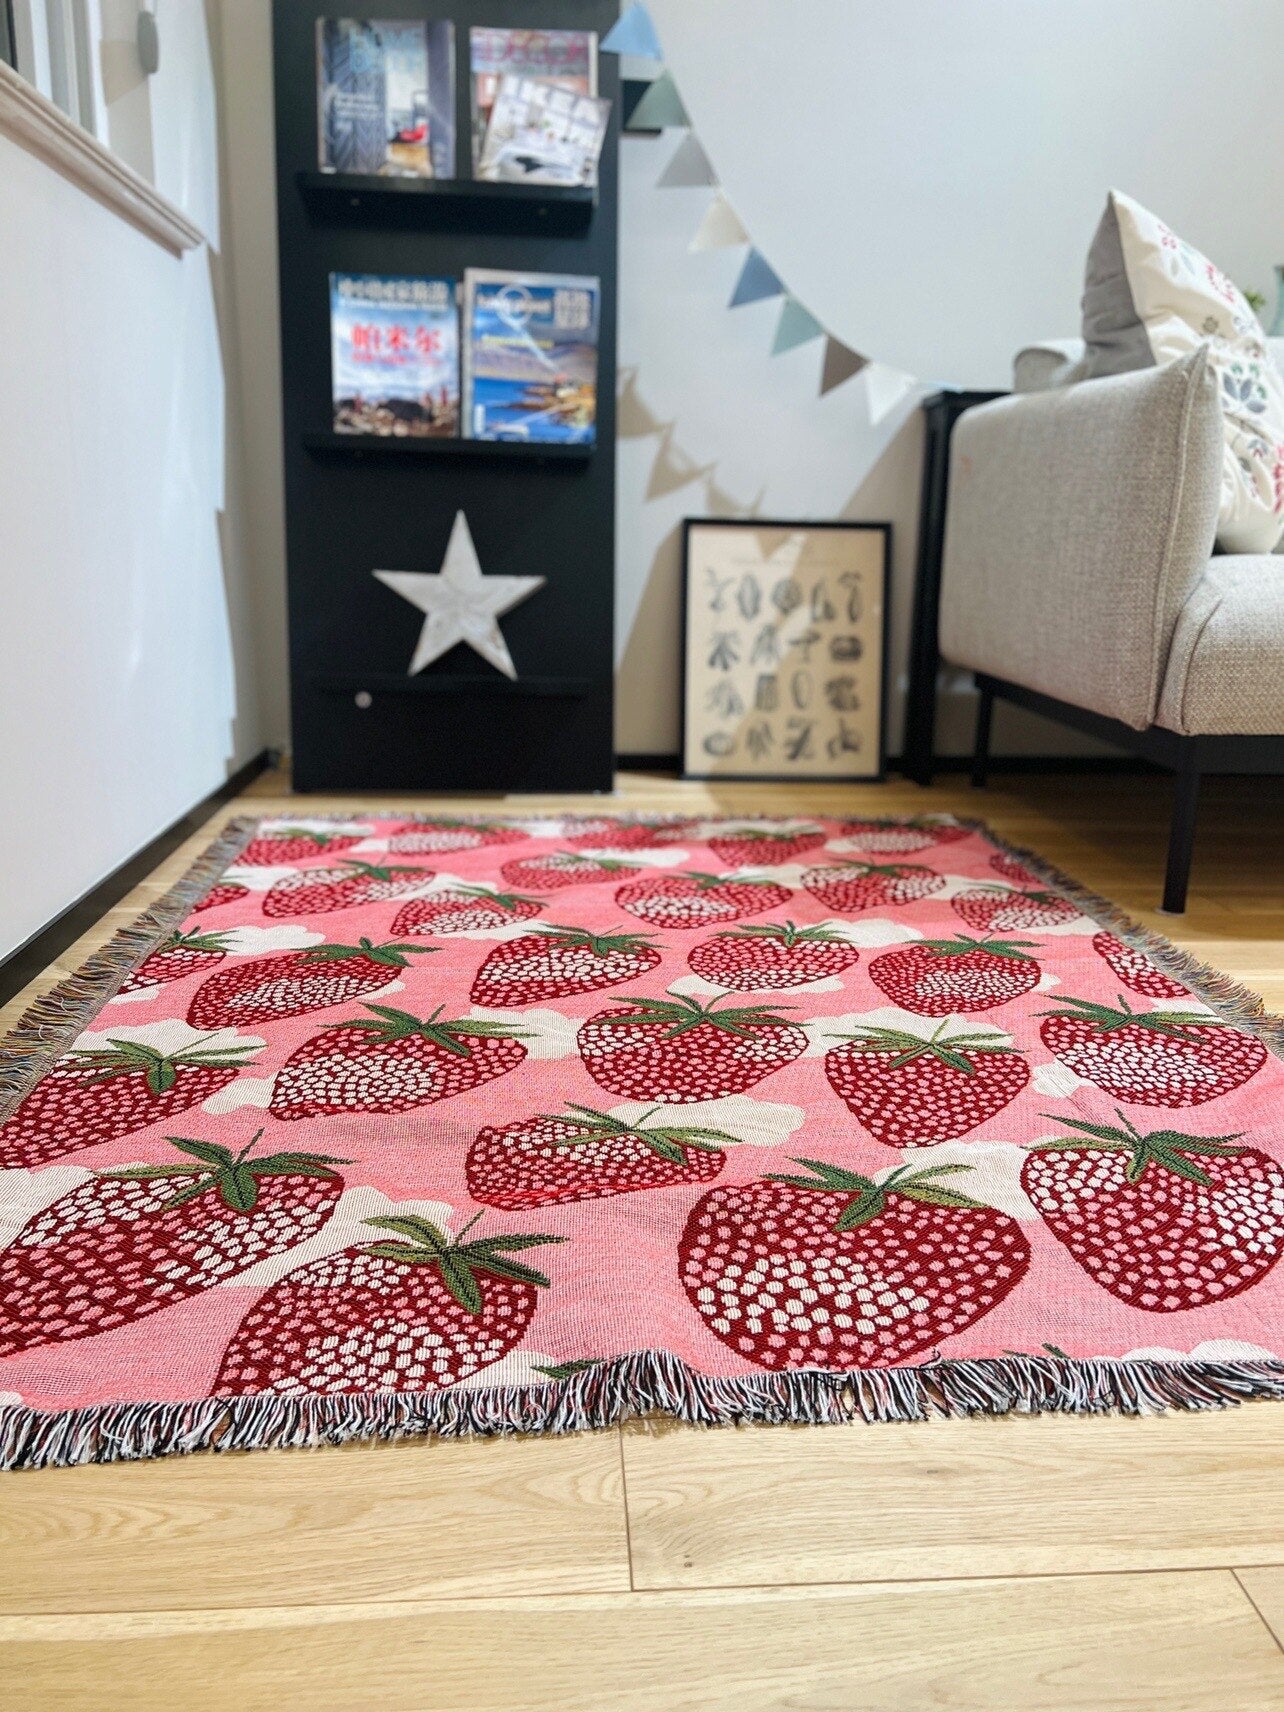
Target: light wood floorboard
x,y
963,1498
410,1520
642,1570
1166,1643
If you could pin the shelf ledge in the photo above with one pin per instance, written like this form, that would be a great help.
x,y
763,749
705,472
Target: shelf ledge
x,y
430,446
32,121
462,203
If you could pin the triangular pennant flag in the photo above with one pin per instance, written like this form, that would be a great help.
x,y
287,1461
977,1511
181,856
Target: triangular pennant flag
x,y
884,390
720,228
795,327
633,33
672,468
634,69
634,419
840,364
660,106
689,166
758,279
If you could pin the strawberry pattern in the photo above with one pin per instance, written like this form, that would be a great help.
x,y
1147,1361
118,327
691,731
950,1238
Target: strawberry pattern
x,y
496,1102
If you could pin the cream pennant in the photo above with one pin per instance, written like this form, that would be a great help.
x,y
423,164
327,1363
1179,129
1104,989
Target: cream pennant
x,y
720,229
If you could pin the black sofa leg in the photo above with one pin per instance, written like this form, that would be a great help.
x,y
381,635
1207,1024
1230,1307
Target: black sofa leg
x,y
1181,841
981,747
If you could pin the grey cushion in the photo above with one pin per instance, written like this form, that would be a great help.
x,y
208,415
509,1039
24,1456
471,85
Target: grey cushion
x,y
1113,331
1226,665
1079,522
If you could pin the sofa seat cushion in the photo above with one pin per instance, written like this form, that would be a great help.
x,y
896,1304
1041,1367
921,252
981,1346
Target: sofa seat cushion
x,y
1225,672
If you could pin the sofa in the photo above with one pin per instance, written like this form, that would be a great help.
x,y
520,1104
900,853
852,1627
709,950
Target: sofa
x,y
1080,577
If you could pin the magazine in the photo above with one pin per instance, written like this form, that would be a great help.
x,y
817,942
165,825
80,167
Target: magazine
x,y
386,97
530,356
541,133
567,58
394,355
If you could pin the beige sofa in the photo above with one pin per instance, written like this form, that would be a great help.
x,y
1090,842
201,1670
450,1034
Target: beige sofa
x,y
1080,580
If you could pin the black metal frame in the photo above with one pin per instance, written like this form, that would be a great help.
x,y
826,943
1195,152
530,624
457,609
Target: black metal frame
x,y
1189,758
885,530
8,47
940,413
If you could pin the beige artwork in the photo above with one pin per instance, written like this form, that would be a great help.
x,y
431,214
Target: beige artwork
x,y
784,650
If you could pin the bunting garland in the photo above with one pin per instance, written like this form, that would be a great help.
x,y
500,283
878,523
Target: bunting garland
x,y
634,36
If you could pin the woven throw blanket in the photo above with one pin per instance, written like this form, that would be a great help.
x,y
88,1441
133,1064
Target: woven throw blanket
x,y
389,1126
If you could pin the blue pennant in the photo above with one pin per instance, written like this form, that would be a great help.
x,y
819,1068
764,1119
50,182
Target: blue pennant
x,y
633,33
758,279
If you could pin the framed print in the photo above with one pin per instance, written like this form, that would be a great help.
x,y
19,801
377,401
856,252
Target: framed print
x,y
784,649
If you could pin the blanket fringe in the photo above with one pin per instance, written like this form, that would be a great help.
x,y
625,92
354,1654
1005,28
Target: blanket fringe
x,y
647,1384
49,1026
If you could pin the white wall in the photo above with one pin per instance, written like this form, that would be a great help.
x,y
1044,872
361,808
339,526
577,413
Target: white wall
x,y
926,175
126,683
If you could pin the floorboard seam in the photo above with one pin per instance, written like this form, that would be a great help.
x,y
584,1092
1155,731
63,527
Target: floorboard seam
x,y
1256,1607
624,1499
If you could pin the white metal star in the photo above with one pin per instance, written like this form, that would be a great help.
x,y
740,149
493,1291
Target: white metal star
x,y
461,603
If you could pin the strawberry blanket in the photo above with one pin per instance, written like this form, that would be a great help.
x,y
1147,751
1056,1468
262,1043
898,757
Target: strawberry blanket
x,y
385,1126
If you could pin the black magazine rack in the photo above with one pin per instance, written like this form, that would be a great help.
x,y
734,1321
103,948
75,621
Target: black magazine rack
x,y
355,503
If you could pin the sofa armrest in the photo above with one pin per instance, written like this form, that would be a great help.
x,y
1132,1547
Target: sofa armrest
x,y
1079,521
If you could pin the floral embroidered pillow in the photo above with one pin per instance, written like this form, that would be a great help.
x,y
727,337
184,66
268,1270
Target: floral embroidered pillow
x,y
1149,297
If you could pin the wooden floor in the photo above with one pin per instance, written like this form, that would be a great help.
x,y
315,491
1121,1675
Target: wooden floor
x,y
1101,1565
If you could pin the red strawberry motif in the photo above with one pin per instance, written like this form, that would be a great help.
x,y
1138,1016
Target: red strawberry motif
x,y
317,891
1135,969
1152,1058
391,1062
934,977
293,983
677,1049
998,909
772,955
179,955
226,892
605,833
1012,870
100,1093
1165,1222
293,844
419,837
586,1155
836,1271
900,837
846,887
757,848
699,900
463,909
128,1243
563,868
416,1314
913,1092
554,962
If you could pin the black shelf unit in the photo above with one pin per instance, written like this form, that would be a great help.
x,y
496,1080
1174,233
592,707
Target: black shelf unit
x,y
355,503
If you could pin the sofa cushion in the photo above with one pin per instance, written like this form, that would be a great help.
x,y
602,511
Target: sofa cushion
x,y
1050,363
1149,298
1225,671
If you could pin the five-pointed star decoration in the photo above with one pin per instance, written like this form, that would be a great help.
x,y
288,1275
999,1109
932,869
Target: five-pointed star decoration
x,y
462,605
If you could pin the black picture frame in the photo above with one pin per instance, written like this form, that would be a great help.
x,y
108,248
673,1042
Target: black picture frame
x,y
873,775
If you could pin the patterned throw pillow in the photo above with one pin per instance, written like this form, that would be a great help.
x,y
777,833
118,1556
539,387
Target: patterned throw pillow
x,y
1149,298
